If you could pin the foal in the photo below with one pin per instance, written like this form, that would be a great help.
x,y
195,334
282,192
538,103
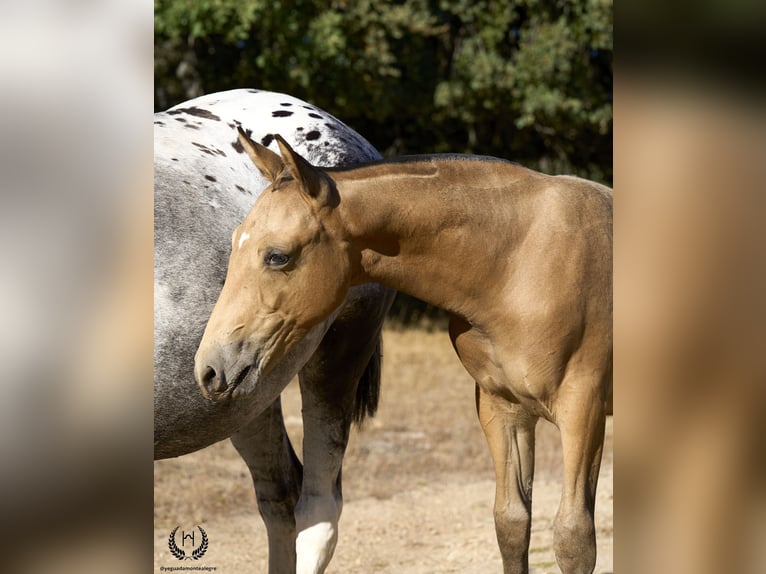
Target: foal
x,y
521,260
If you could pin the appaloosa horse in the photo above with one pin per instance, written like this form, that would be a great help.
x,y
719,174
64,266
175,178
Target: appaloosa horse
x,y
204,186
521,260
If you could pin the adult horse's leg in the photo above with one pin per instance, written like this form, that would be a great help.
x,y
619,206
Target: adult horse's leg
x,y
580,416
510,432
338,385
277,475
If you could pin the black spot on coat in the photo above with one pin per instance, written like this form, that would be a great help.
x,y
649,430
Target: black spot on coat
x,y
281,114
199,112
209,151
313,135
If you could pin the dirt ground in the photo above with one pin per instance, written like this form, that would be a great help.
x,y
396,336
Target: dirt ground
x,y
417,480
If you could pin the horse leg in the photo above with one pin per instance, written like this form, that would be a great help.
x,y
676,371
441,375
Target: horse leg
x,y
326,430
510,432
331,401
580,416
277,475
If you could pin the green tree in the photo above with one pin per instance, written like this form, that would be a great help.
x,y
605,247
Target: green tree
x,y
528,80
544,69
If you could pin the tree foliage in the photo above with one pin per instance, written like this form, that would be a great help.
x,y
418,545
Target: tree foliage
x,y
528,80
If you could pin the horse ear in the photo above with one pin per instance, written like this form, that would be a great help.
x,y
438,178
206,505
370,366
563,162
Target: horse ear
x,y
267,162
313,180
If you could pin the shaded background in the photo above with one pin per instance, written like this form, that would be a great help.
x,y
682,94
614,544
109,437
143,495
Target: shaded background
x,y
528,80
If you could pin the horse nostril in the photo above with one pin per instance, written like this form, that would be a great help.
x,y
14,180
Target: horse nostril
x,y
212,381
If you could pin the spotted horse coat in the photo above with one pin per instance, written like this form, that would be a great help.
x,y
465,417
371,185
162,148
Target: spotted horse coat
x,y
205,185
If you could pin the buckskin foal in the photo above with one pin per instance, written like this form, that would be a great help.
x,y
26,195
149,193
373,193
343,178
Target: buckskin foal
x,y
521,260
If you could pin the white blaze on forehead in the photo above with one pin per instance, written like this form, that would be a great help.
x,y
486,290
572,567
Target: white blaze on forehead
x,y
242,238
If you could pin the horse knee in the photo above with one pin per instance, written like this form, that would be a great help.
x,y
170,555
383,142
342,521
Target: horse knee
x,y
512,527
574,542
513,524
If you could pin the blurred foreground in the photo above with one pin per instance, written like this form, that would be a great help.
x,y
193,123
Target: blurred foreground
x,y
689,316
76,294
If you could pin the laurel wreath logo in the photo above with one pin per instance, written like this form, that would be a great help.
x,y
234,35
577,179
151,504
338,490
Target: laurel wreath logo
x,y
197,553
175,550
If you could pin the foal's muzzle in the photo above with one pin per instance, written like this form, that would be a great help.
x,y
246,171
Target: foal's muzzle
x,y
216,377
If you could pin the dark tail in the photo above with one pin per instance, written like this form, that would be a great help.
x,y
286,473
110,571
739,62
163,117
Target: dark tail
x,y
368,389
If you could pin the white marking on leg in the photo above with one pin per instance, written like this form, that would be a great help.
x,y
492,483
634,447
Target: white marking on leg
x,y
315,546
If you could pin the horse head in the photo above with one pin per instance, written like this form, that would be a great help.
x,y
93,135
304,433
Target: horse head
x,y
289,270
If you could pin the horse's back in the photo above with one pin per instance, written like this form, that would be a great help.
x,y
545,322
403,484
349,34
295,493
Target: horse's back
x,y
199,136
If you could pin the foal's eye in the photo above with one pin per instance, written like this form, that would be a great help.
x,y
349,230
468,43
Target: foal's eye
x,y
276,259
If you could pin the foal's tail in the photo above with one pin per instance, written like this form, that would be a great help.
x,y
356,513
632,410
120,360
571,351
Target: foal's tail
x,y
368,389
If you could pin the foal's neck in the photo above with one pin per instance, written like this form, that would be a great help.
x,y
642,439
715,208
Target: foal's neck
x,y
436,229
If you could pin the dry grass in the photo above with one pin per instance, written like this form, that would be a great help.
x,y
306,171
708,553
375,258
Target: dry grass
x,y
426,428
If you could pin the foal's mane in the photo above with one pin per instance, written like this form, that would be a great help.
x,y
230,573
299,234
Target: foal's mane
x,y
424,158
